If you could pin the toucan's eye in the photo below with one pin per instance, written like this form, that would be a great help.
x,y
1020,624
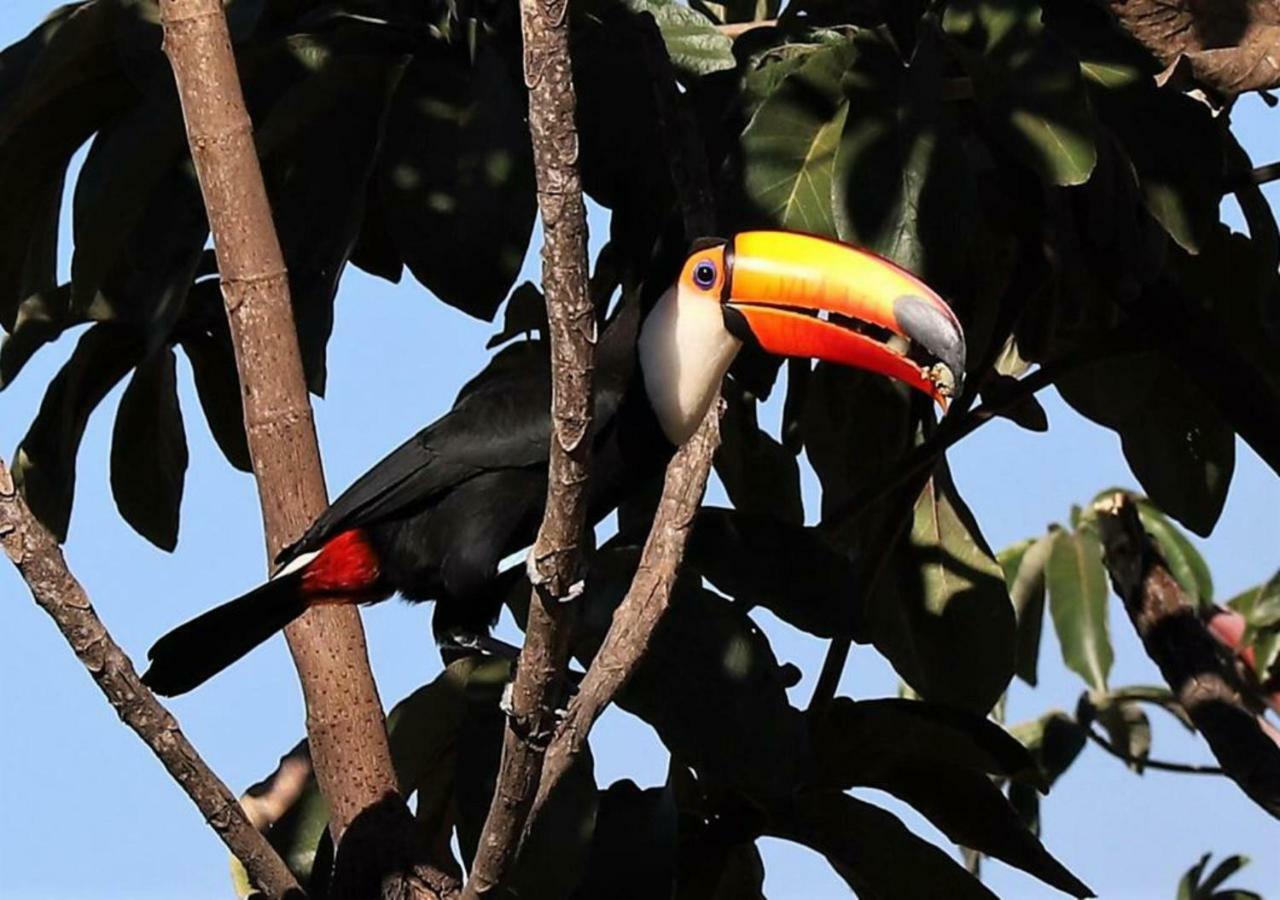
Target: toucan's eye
x,y
704,274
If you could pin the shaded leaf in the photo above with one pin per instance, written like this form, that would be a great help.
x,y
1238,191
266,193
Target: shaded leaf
x,y
941,614
789,146
1027,85
526,313
1174,439
1128,729
213,365
874,852
149,452
41,318
633,850
45,462
693,43
760,476
1054,741
1024,566
788,569
1026,412
456,176
1078,603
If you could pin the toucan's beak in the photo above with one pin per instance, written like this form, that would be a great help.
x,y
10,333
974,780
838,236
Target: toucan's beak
x,y
783,286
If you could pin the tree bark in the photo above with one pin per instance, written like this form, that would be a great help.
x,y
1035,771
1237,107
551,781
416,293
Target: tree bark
x,y
555,560
1201,677
36,554
345,721
647,600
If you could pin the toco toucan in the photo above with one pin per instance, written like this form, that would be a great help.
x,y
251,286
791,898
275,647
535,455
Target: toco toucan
x,y
433,520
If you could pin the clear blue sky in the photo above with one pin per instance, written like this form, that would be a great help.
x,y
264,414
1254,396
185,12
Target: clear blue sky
x,y
85,811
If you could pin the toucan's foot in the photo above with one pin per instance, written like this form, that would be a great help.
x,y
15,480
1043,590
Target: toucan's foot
x,y
575,591
507,702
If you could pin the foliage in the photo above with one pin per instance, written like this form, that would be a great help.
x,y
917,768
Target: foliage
x,y
1016,153
1195,885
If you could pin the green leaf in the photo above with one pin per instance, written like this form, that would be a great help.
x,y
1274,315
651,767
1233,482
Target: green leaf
x,y
1027,412
1024,566
1260,605
874,852
1054,740
898,188
1078,603
760,475
1176,442
317,188
790,570
971,811
633,850
45,462
41,318
1128,729
693,43
1185,562
149,452
456,176
1027,85
855,738
789,146
1224,870
941,614
213,365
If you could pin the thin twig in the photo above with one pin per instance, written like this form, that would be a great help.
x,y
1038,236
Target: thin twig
x,y
1204,683
36,554
555,560
1147,762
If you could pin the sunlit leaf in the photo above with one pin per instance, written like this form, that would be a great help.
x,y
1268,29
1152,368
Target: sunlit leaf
x,y
694,44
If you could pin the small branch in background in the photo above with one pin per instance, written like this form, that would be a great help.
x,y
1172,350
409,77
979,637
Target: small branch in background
x,y
555,560
1147,762
1266,174
1201,678
38,558
345,722
647,600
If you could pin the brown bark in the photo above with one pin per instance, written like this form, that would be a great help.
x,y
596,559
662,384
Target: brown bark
x,y
634,621
554,561
1201,677
345,721
39,559
1229,48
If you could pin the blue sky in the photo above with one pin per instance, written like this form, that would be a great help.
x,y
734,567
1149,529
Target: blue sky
x,y
86,811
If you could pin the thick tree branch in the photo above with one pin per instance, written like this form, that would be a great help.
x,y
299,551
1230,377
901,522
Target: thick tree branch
x,y
1201,678
345,721
634,621
39,560
555,560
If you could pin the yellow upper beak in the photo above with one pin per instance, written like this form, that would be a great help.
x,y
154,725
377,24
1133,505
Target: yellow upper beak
x,y
777,280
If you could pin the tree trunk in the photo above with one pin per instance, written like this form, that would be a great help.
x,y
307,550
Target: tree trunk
x,y
345,721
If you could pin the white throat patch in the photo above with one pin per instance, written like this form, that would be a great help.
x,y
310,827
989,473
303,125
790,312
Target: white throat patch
x,y
684,352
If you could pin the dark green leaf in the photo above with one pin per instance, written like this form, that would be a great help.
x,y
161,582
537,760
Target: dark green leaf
x,y
633,851
213,364
149,452
1128,730
899,187
1026,412
1224,870
45,462
317,188
971,811
1078,602
760,476
693,43
1054,739
1185,562
789,146
457,179
875,853
855,738
526,313
41,318
788,569
1174,439
941,613
1027,85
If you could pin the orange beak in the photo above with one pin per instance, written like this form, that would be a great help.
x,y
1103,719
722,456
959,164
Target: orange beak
x,y
782,285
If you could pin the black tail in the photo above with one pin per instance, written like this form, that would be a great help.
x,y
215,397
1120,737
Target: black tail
x,y
193,653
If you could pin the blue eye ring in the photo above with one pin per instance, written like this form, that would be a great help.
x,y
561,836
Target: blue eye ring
x,y
704,274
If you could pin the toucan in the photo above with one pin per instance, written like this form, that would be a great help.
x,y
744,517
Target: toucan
x,y
434,518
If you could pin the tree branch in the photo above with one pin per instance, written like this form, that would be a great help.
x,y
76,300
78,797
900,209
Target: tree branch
x,y
345,720
1147,762
647,600
1202,680
38,558
555,560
